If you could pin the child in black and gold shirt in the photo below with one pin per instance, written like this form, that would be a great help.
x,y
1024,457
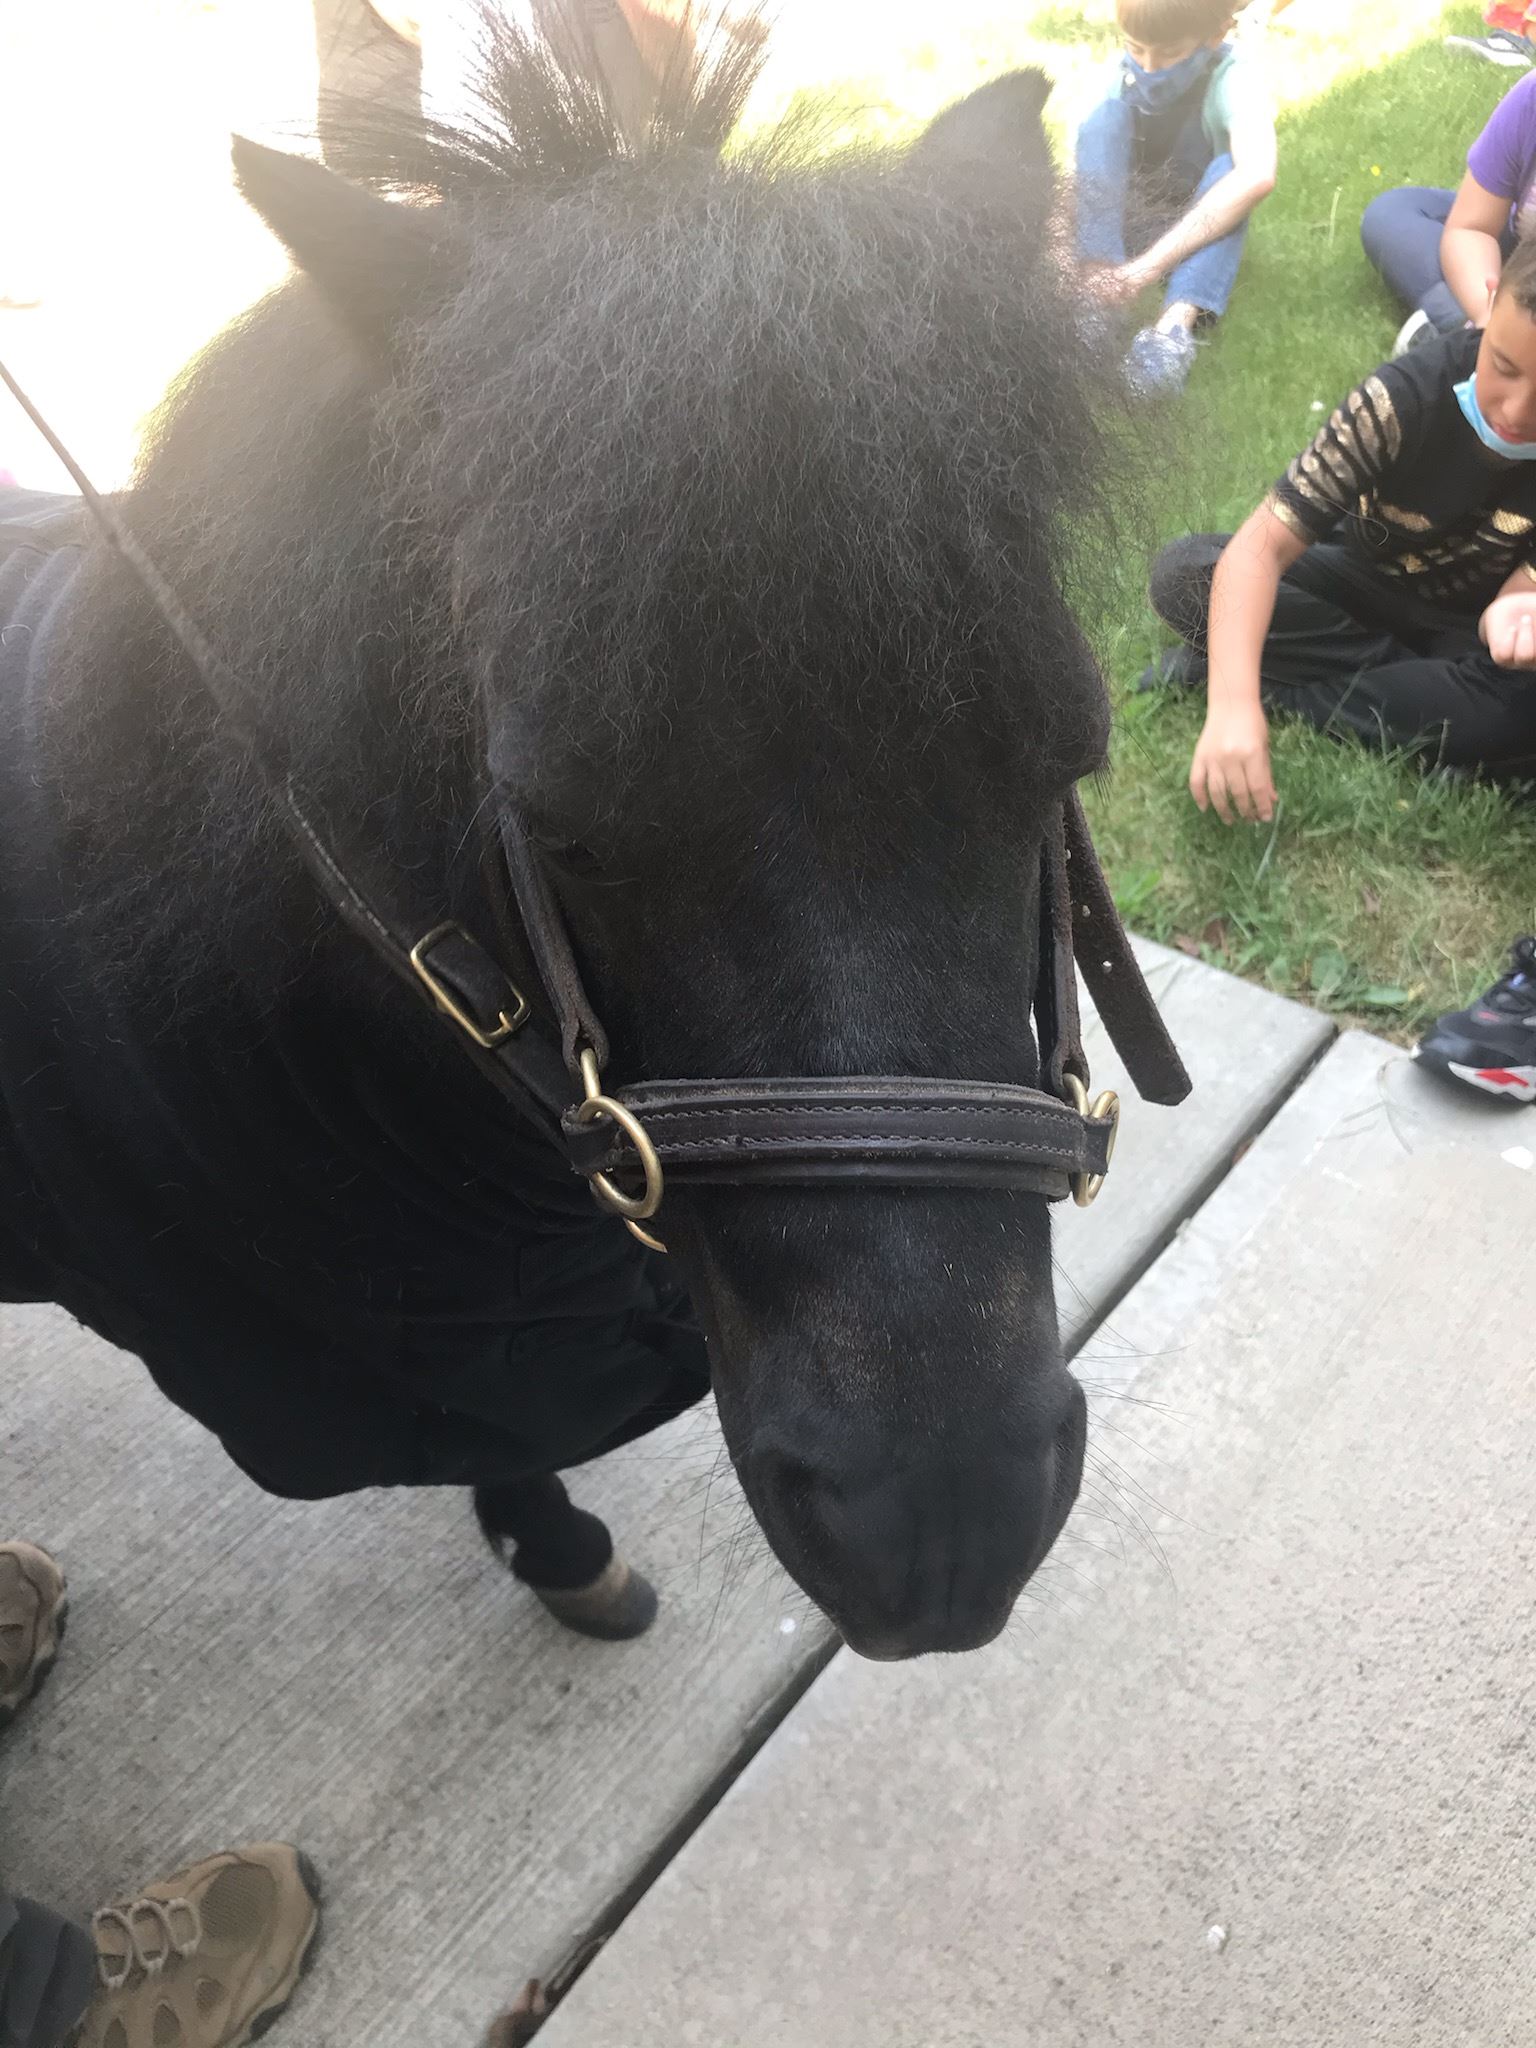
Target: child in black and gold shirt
x,y
1386,587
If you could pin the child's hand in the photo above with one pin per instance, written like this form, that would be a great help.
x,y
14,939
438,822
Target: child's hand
x,y
1129,280
1508,629
1231,765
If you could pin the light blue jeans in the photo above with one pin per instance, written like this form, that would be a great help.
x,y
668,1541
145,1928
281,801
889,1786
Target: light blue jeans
x,y
1106,146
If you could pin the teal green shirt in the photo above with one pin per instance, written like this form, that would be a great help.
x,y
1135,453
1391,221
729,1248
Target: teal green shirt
x,y
1216,108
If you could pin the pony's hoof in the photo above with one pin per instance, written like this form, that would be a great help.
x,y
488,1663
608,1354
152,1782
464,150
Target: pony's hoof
x,y
617,1606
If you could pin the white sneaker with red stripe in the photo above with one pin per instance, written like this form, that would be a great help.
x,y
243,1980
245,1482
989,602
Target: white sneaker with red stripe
x,y
1491,1045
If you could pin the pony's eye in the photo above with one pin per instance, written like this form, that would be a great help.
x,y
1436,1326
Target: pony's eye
x,y
578,860
564,856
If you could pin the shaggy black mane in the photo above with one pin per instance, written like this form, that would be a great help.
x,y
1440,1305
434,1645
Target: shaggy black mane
x,y
693,468
535,116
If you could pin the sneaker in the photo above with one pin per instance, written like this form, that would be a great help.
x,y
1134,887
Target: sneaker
x,y
34,1605
1417,328
1158,362
1179,668
207,1958
1492,1045
1500,46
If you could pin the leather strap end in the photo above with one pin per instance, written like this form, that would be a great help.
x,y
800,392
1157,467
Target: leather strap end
x,y
1113,975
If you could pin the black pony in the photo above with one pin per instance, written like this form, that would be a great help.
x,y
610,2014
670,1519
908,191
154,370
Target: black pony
x,y
717,503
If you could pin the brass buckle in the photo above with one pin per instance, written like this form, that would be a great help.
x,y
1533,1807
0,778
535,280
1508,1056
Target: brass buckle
x,y
633,1208
1085,1186
449,1004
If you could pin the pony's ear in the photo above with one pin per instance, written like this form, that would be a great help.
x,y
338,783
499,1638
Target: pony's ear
x,y
994,141
375,261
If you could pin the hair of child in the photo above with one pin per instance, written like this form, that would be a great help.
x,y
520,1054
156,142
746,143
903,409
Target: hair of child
x,y
1174,21
1518,277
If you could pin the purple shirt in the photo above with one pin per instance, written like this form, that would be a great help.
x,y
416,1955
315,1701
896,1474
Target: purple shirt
x,y
1503,158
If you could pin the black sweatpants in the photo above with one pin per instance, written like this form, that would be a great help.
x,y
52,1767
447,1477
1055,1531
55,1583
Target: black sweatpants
x,y
1353,652
47,1975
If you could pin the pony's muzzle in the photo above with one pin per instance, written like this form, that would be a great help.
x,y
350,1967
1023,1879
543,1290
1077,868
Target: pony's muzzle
x,y
911,1553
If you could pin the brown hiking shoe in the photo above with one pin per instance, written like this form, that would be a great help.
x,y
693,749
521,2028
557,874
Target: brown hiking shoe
x,y
208,1958
33,1607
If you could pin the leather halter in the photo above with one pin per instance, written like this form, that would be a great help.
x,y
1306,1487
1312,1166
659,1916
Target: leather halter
x,y
545,1050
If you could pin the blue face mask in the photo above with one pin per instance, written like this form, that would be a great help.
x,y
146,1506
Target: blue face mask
x,y
1512,451
1154,92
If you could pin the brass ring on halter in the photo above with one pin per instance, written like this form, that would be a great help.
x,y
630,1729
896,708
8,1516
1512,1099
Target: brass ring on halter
x,y
1085,1186
633,1208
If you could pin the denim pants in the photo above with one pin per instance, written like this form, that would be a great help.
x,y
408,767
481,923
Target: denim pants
x,y
1401,233
1355,654
1106,209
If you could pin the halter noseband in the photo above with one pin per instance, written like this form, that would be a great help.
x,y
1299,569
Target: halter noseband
x,y
542,1044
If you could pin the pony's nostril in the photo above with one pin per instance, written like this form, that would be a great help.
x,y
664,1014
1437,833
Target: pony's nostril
x,y
801,1492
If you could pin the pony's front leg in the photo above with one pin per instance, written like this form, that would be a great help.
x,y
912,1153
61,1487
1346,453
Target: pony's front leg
x,y
566,1556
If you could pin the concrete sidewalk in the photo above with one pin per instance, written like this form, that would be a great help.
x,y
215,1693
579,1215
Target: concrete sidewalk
x,y
481,1790
1255,1765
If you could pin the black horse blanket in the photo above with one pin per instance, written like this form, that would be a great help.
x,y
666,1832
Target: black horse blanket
x,y
325,1271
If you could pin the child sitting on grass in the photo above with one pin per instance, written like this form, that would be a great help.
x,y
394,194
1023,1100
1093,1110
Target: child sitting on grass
x,y
1436,249
1386,589
1386,586
1174,160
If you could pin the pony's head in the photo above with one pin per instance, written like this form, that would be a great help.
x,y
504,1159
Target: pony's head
x,y
737,487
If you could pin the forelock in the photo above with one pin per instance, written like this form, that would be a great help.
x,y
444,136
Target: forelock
x,y
760,442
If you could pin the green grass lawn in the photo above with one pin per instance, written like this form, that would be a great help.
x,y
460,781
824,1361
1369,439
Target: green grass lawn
x,y
1377,894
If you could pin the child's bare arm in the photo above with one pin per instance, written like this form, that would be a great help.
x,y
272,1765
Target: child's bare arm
x,y
1230,771
1229,202
1470,254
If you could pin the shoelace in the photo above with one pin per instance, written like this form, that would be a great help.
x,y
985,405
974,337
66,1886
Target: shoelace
x,y
1516,990
161,1916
